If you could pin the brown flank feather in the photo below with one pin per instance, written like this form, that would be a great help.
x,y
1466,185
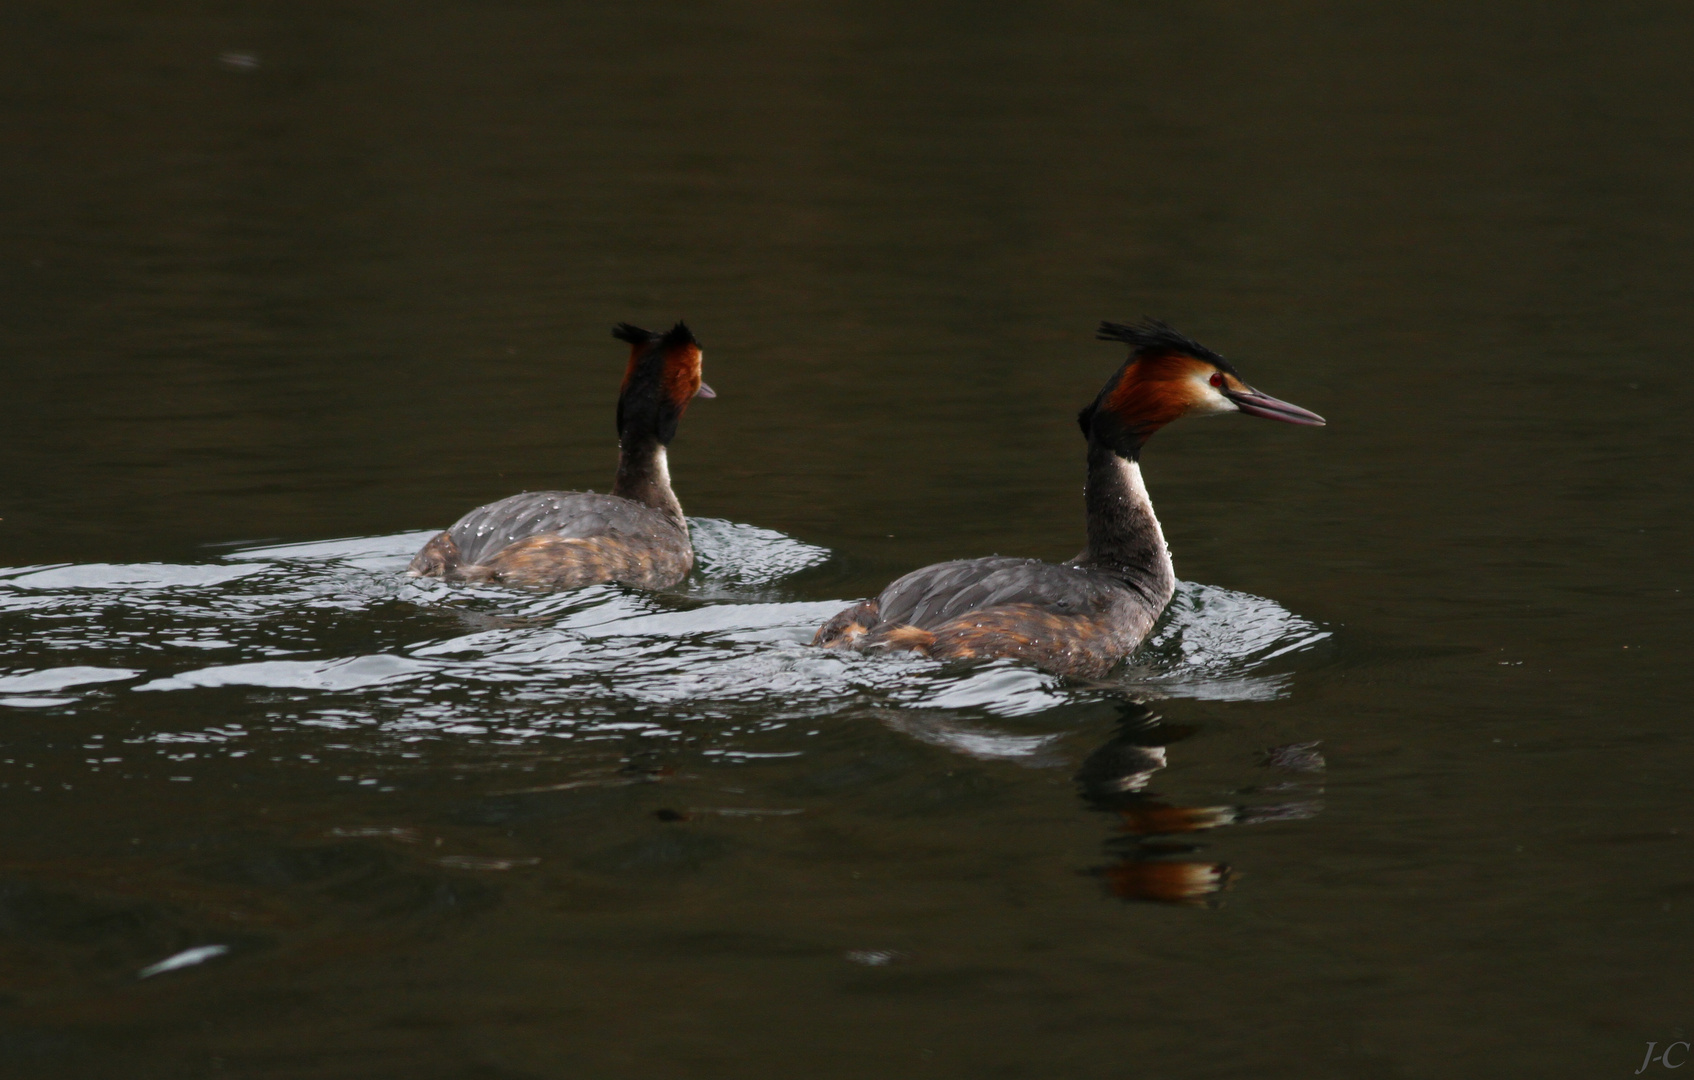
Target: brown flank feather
x,y
1068,645
846,628
914,638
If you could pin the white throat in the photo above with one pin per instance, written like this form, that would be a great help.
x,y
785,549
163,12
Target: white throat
x,y
1136,491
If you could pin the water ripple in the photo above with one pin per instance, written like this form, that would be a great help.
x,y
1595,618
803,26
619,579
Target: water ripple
x,y
602,662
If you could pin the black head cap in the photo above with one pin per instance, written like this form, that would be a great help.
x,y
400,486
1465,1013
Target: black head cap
x,y
635,335
1151,337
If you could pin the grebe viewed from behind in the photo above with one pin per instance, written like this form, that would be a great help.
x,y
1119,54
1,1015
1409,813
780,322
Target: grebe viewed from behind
x,y
1083,616
561,539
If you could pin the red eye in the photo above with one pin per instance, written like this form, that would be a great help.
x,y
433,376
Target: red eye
x,y
1217,379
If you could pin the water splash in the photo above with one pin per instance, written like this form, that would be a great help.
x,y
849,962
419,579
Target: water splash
x,y
604,662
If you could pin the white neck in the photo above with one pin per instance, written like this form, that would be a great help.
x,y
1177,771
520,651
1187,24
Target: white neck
x,y
1124,537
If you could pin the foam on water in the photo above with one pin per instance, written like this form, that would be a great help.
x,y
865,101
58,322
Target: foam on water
x,y
477,662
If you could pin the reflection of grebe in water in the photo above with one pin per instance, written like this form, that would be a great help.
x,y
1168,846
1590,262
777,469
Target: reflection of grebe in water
x,y
1083,616
561,539
1151,864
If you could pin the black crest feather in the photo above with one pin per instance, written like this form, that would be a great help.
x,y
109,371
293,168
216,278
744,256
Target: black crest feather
x,y
633,334
679,335
1152,336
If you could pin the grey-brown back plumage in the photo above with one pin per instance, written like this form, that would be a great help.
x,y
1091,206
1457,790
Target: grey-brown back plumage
x,y
561,540
929,597
488,530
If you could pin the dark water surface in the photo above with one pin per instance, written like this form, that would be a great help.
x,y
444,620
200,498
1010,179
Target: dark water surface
x,y
1399,788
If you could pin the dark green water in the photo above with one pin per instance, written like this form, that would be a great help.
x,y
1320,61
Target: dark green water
x,y
283,286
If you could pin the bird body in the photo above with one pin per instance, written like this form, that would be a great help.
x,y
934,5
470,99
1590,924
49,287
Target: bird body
x,y
637,535
559,540
1083,616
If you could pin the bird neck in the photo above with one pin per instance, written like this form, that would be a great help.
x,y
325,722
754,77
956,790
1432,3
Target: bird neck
x,y
1124,538
644,475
